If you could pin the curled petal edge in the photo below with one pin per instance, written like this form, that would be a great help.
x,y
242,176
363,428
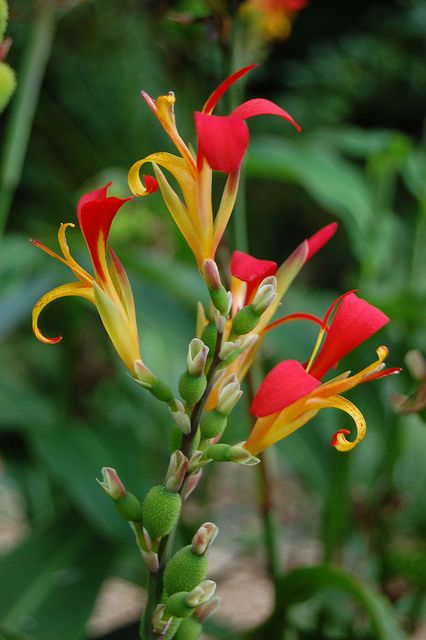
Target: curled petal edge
x,y
339,440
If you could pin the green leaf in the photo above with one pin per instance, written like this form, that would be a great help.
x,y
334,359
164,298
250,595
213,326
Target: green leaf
x,y
52,581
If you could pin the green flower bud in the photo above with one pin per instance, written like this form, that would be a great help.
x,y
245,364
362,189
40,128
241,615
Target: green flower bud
x,y
220,299
191,388
161,391
7,84
190,629
129,507
4,15
209,337
160,511
245,320
177,605
218,452
213,424
185,570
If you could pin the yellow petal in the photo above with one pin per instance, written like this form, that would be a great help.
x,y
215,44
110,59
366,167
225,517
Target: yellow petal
x,y
339,440
78,271
71,289
225,208
269,430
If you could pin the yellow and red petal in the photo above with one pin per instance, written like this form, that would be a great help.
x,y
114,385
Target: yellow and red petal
x,y
123,287
70,289
223,87
339,440
263,107
251,270
222,140
286,383
320,238
354,322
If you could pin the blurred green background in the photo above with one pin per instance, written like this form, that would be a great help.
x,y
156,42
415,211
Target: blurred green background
x,y
354,76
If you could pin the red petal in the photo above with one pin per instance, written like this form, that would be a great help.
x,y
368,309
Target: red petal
x,y
354,322
223,140
95,214
286,383
151,184
224,86
262,107
320,238
335,438
251,270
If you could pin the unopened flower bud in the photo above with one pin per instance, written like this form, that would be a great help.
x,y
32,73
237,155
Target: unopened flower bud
x,y
228,348
176,472
181,418
160,621
143,374
226,453
204,538
211,274
190,484
207,609
229,394
265,295
197,356
201,594
184,571
160,511
220,322
111,483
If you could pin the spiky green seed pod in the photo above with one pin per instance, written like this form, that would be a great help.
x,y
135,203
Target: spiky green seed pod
x,y
185,571
191,388
161,391
4,16
212,424
220,299
190,629
7,84
176,605
160,511
129,507
209,337
245,321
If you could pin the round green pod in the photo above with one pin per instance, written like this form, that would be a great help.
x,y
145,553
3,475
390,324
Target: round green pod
x,y
212,424
129,507
219,297
245,321
4,16
160,511
191,388
209,337
185,571
7,84
190,629
176,605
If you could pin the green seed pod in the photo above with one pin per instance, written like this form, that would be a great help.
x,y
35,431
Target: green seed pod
x,y
161,391
176,605
191,388
4,15
209,337
185,571
160,511
129,507
245,321
7,84
213,424
190,629
219,297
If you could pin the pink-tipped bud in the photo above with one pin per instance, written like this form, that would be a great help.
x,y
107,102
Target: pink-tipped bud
x,y
197,356
160,621
112,484
181,418
196,461
191,484
201,594
207,609
228,348
211,274
220,321
176,472
265,295
229,394
143,375
203,538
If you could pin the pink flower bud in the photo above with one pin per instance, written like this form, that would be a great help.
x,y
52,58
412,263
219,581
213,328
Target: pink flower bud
x,y
111,483
211,274
203,538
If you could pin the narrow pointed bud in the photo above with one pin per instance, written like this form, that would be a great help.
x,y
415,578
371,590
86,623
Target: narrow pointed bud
x,y
111,483
197,356
143,375
228,348
207,609
190,484
238,454
201,594
229,394
220,322
151,560
204,538
265,295
160,621
181,418
218,293
176,472
195,461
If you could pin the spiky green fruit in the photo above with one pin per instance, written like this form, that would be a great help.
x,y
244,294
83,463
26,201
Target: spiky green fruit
x,y
190,629
160,511
185,571
7,84
191,388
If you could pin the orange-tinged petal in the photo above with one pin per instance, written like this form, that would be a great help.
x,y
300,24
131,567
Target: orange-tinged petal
x,y
70,289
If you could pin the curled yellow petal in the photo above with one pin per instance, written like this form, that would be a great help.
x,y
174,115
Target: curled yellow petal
x,y
70,289
339,440
77,270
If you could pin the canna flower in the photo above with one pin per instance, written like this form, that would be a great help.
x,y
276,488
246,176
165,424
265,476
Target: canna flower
x,y
109,289
292,393
270,19
222,143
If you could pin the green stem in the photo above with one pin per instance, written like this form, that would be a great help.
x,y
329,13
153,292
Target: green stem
x,y
24,105
266,508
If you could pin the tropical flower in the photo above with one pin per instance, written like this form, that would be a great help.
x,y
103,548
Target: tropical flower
x,y
109,289
222,143
271,19
292,393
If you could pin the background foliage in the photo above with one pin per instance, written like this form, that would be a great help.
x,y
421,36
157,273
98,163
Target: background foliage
x,y
353,75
